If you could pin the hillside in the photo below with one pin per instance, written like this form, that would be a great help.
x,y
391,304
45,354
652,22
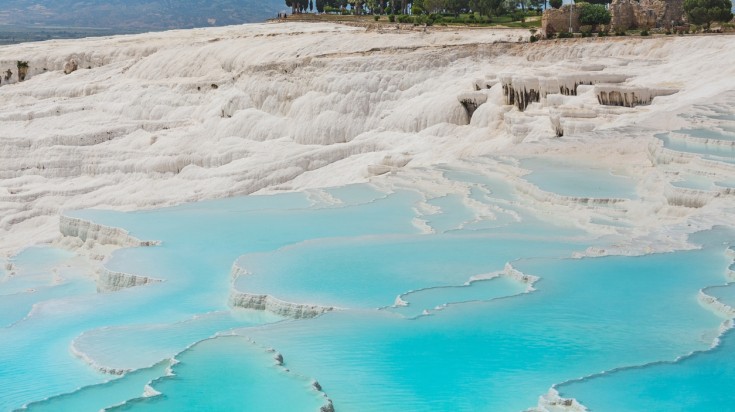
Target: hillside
x,y
233,110
137,15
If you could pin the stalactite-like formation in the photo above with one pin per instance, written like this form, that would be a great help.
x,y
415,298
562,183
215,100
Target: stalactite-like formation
x,y
609,95
471,101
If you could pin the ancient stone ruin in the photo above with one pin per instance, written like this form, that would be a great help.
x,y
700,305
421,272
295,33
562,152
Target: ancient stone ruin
x,y
625,14
557,20
646,14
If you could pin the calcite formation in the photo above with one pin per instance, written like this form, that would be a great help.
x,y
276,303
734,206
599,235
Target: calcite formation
x,y
522,90
615,95
471,101
70,66
274,305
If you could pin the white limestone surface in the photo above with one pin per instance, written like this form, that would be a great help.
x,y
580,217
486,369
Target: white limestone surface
x,y
163,118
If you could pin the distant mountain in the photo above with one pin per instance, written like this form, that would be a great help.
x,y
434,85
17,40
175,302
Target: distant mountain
x,y
137,15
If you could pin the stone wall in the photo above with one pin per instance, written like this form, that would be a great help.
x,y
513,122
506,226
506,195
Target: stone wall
x,y
625,14
557,20
646,14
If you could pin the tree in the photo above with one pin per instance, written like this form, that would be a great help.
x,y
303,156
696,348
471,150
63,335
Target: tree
x,y
708,11
594,14
434,6
297,6
373,6
417,7
457,6
320,6
489,7
404,6
537,4
555,3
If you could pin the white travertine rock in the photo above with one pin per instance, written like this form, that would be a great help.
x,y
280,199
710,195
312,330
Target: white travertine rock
x,y
95,233
111,281
70,66
261,111
628,96
277,306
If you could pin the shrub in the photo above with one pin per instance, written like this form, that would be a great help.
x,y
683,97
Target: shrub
x,y
392,18
565,35
404,18
594,14
533,39
556,3
437,18
645,32
705,12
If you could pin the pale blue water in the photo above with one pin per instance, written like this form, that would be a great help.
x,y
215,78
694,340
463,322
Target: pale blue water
x,y
715,149
715,134
492,347
39,274
577,180
692,181
453,214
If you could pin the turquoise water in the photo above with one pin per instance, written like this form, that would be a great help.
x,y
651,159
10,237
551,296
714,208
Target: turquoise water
x,y
218,376
197,281
428,301
587,315
725,294
483,345
38,274
577,180
98,397
453,214
371,272
702,382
